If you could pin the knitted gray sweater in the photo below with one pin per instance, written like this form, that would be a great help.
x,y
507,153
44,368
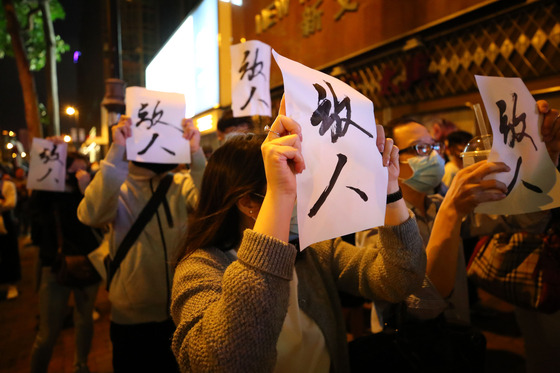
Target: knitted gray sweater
x,y
229,313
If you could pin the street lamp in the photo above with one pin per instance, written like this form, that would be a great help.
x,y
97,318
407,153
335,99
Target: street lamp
x,y
78,134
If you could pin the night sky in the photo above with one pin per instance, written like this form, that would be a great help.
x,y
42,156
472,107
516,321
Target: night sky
x,y
11,100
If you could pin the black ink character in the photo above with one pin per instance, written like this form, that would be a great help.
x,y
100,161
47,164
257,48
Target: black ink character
x,y
47,156
507,127
342,159
339,127
154,120
322,115
50,155
526,184
253,71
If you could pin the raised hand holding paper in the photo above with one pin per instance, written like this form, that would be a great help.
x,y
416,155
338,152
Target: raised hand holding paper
x,y
156,127
250,79
533,182
344,186
47,169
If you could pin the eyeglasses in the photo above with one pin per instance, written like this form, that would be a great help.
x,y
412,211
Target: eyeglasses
x,y
423,149
258,195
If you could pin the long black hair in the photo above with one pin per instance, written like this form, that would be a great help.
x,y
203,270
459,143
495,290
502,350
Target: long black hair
x,y
234,170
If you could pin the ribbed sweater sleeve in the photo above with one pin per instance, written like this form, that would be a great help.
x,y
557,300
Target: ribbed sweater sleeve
x,y
101,197
389,270
228,312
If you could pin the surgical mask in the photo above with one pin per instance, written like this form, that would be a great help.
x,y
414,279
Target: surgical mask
x,y
427,172
294,233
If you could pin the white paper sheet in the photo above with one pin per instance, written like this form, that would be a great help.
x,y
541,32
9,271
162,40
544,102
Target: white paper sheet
x,y
157,135
47,168
250,79
356,200
533,180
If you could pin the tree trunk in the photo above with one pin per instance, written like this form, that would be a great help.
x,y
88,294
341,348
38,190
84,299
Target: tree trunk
x,y
53,109
26,78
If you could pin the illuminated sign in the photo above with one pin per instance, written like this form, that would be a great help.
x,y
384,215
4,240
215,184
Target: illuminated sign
x,y
188,62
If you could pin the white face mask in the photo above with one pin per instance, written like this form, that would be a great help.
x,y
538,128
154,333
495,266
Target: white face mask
x,y
427,172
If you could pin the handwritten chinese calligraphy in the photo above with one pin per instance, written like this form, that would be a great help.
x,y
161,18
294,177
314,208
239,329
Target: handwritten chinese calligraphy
x,y
322,115
156,131
48,165
47,157
344,186
254,70
153,120
250,79
507,127
533,182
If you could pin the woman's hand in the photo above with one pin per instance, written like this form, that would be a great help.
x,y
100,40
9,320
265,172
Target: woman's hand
x,y
390,159
550,130
122,131
191,133
282,156
281,151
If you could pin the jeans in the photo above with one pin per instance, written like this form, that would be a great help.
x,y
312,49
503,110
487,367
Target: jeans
x,y
143,347
53,300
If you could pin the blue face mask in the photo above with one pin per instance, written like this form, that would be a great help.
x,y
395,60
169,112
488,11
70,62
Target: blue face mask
x,y
427,172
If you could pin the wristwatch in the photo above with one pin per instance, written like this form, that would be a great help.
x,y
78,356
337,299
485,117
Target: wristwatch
x,y
394,197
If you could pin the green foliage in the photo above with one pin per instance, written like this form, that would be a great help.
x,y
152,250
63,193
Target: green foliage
x,y
31,23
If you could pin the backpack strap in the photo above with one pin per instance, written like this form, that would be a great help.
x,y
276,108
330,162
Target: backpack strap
x,y
144,217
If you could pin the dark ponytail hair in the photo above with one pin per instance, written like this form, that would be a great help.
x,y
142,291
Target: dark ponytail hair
x,y
234,170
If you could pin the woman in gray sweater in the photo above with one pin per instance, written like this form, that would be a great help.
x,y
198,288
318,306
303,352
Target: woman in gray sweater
x,y
244,299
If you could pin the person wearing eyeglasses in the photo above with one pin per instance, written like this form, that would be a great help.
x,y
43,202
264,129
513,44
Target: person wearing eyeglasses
x,y
440,218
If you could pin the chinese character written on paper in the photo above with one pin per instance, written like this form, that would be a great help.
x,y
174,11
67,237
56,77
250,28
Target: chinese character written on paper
x,y
155,119
252,71
339,125
517,128
48,156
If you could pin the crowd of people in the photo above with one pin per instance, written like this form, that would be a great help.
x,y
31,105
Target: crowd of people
x,y
203,271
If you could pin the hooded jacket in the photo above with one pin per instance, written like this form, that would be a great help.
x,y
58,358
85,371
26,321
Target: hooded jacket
x,y
140,290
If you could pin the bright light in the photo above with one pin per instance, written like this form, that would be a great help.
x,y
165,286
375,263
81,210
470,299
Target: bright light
x,y
188,62
70,110
67,138
9,145
12,133
23,154
77,55
243,40
14,155
205,123
234,2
